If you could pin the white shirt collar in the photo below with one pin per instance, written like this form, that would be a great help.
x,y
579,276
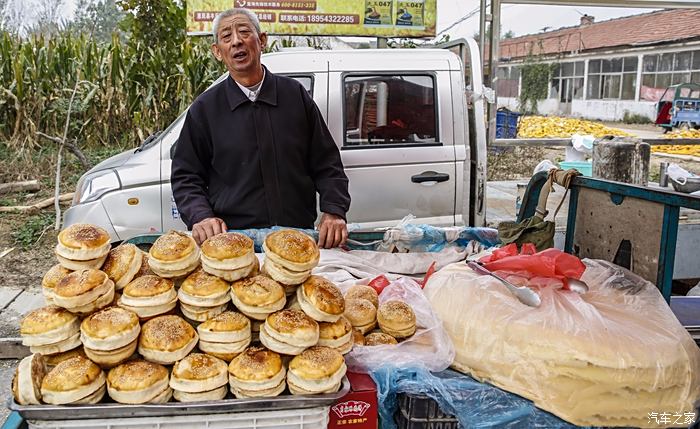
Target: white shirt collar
x,y
252,95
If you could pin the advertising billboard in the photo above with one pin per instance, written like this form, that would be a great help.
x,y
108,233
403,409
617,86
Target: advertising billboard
x,y
376,18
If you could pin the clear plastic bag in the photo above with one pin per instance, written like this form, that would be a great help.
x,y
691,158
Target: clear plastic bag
x,y
608,357
474,404
429,347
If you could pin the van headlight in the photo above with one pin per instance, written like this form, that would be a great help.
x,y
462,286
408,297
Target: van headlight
x,y
92,186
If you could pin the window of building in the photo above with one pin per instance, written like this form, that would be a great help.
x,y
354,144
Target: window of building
x,y
614,78
508,82
663,70
567,82
390,109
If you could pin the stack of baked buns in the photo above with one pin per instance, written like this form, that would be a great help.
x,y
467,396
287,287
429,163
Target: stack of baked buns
x,y
122,265
290,256
26,383
139,381
257,372
84,291
110,336
50,330
77,380
82,246
149,296
317,369
199,377
51,279
225,336
229,255
203,296
173,255
397,319
166,339
337,335
116,310
258,296
289,332
321,299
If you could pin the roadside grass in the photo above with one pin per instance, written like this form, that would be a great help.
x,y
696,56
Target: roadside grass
x,y
30,231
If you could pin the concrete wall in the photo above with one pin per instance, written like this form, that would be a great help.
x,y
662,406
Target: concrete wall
x,y
607,110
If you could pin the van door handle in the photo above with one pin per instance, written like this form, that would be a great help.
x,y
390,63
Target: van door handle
x,y
430,176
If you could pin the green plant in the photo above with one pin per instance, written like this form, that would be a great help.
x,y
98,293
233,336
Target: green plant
x,y
32,229
534,84
635,118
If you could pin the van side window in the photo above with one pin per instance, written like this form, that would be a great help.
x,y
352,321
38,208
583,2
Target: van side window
x,y
390,110
306,81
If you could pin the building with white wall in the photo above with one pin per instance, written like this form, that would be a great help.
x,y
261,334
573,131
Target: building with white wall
x,y
603,69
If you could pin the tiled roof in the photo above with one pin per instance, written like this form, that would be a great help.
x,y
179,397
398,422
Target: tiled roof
x,y
637,30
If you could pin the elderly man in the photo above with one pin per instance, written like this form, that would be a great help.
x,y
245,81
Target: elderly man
x,y
254,149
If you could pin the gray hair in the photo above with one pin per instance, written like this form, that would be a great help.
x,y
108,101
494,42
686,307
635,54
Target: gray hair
x,y
231,12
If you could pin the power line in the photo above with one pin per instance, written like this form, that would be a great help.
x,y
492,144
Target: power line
x,y
462,19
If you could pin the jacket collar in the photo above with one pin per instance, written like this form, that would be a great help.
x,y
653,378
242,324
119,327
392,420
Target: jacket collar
x,y
268,91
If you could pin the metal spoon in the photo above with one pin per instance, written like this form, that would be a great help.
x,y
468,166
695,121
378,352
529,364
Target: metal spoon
x,y
576,285
524,294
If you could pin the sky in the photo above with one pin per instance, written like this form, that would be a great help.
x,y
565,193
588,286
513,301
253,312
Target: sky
x,y
521,19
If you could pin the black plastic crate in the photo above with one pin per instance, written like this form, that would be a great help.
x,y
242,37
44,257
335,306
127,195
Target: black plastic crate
x,y
421,412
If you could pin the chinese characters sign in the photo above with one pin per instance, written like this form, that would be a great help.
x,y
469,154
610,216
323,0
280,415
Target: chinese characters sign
x,y
377,18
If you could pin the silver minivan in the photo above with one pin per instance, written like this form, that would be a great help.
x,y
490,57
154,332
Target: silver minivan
x,y
399,117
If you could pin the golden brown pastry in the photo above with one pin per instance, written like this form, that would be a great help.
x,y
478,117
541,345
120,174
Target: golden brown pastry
x,y
82,246
149,296
122,264
50,330
317,369
257,372
379,338
84,291
201,289
290,255
173,255
397,319
139,382
75,380
26,384
51,279
289,332
199,377
225,336
166,339
364,292
110,336
337,335
361,314
258,296
321,299
229,255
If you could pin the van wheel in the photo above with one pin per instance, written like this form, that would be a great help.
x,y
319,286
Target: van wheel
x,y
685,126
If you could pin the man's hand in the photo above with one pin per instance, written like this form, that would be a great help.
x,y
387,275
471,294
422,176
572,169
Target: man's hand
x,y
206,228
332,231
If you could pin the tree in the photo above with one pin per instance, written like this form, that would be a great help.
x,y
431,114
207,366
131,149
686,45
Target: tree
x,y
97,18
154,21
509,34
49,20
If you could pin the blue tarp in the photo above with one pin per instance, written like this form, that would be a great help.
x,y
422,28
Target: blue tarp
x,y
475,404
414,238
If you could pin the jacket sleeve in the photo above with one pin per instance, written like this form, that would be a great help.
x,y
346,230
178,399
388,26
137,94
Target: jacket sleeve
x,y
325,165
189,177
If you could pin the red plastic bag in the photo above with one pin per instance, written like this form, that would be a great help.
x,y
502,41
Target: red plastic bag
x,y
549,267
379,283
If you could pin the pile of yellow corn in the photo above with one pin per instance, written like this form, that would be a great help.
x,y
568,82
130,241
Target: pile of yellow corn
x,y
552,126
680,149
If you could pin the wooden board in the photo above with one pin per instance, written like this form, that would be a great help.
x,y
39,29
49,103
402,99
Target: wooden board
x,y
601,226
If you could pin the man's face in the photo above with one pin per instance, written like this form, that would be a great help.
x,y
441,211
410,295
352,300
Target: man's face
x,y
239,45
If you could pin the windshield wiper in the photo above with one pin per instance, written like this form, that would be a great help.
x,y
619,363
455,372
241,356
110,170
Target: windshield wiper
x,y
148,141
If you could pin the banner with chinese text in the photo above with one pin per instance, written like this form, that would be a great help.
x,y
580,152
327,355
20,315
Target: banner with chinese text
x,y
376,18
